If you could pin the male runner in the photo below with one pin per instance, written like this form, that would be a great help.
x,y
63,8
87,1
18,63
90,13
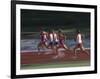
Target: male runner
x,y
43,40
62,40
79,42
53,41
50,39
61,44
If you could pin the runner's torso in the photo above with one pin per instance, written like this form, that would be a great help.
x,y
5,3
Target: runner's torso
x,y
51,37
79,38
61,38
55,36
43,37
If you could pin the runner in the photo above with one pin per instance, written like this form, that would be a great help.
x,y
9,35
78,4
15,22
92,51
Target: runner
x,y
50,39
43,40
61,44
53,41
79,43
62,38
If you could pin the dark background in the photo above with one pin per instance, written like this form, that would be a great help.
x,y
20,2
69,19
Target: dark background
x,y
36,20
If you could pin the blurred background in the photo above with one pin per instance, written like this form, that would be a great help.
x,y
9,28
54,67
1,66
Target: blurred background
x,y
34,21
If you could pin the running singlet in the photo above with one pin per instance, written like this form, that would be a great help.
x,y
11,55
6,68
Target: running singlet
x,y
51,37
44,37
55,37
61,38
79,38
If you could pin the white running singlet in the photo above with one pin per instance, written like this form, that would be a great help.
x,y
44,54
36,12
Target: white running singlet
x,y
79,38
55,37
51,37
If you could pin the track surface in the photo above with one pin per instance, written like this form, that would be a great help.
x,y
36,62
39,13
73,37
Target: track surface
x,y
28,58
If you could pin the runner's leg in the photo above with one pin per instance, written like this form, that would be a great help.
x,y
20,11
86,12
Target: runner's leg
x,y
83,49
75,52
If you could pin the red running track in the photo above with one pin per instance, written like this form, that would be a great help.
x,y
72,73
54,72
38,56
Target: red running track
x,y
46,57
